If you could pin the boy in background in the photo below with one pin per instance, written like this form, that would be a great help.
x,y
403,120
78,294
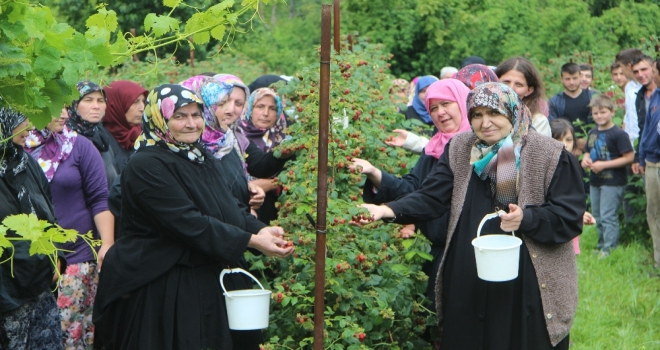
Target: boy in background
x,y
572,104
607,152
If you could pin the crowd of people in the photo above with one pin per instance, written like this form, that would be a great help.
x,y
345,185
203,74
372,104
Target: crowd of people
x,y
177,183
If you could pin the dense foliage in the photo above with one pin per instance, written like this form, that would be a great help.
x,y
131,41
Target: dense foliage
x,y
374,283
41,59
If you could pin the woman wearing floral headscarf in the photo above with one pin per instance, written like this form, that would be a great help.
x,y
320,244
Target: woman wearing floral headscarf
x,y
74,169
503,164
29,318
445,101
264,125
159,287
86,121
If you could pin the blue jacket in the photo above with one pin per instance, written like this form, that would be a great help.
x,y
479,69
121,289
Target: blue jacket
x,y
649,147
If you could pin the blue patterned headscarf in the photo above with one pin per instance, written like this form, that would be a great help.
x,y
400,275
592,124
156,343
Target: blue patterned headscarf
x,y
265,139
501,161
418,104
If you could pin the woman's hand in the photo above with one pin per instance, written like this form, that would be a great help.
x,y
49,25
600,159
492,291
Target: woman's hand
x,y
399,140
373,174
511,220
407,231
377,212
257,196
101,254
586,162
363,166
270,242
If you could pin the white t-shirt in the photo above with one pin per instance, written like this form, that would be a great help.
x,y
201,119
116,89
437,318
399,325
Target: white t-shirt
x,y
630,119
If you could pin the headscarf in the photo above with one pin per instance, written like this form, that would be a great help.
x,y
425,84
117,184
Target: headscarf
x,y
213,94
241,142
266,81
50,149
418,104
475,74
501,161
162,102
13,161
411,91
83,127
265,139
121,94
399,85
473,60
447,90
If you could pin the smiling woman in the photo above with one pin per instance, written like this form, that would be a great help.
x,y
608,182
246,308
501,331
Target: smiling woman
x,y
539,183
159,287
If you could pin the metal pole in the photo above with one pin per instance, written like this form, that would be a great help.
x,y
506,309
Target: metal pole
x,y
135,57
337,27
322,184
192,53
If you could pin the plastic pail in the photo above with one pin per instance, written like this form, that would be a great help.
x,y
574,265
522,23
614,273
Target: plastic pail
x,y
497,255
247,308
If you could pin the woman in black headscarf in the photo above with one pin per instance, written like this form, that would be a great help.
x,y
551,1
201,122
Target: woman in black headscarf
x,y
87,122
159,286
29,318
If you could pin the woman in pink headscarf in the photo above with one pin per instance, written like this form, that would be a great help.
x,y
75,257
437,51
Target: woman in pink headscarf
x,y
445,102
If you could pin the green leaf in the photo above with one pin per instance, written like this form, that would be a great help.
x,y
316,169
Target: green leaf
x,y
218,32
104,20
160,25
43,245
425,256
410,255
26,225
407,243
171,3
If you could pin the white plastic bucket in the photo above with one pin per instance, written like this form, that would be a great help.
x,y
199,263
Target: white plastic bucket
x,y
247,309
497,255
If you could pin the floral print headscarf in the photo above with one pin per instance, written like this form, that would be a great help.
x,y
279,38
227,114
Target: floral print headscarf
x,y
213,93
474,75
161,104
265,139
501,161
50,149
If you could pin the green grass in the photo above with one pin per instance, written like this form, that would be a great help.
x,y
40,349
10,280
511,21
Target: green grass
x,y
619,304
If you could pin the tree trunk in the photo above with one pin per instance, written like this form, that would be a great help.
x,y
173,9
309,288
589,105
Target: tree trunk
x,y
292,9
273,14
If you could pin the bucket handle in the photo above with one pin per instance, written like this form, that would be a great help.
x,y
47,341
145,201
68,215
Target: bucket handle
x,y
236,270
483,221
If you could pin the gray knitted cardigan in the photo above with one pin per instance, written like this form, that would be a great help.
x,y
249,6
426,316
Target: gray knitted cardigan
x,y
555,265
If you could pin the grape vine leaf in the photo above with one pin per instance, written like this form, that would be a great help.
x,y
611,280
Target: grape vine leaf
x,y
160,25
60,235
171,3
42,245
26,225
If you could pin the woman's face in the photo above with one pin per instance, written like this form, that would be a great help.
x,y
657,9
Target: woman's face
x,y
446,115
134,113
92,107
186,124
57,124
228,112
489,125
516,80
20,133
422,93
567,139
264,113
